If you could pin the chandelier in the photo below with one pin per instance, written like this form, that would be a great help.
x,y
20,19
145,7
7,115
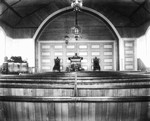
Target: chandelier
x,y
76,30
66,36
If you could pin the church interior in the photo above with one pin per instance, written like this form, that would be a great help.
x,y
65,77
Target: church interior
x,y
74,60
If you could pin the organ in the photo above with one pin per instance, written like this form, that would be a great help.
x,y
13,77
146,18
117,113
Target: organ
x,y
15,65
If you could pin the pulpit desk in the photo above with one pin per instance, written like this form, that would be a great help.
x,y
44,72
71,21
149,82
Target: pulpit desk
x,y
75,63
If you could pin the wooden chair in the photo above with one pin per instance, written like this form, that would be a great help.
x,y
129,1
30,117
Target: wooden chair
x,y
96,66
56,67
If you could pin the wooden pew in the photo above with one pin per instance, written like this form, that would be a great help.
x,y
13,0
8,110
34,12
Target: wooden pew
x,y
111,96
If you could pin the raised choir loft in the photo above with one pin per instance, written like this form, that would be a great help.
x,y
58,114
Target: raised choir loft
x,y
74,60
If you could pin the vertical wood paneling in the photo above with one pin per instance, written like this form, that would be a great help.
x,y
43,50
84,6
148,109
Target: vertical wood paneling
x,y
138,112
125,112
131,111
84,111
91,114
129,55
143,114
98,111
31,112
16,111
134,111
64,112
91,27
38,113
51,111
44,112
13,114
19,111
112,112
78,111
58,111
71,112
104,111
25,111
119,111
2,110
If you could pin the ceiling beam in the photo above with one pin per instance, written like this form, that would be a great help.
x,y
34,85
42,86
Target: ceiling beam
x,y
142,5
16,2
137,9
146,2
11,8
36,10
3,11
32,13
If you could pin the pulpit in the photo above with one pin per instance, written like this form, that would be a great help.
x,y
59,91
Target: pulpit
x,y
75,63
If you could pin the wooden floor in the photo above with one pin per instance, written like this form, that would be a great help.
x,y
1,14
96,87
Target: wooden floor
x,y
75,96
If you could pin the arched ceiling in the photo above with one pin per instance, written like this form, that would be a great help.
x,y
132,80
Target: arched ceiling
x,y
31,13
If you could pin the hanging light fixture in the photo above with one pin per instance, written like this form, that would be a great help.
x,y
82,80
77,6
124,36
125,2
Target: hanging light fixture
x,y
76,4
76,30
66,39
66,35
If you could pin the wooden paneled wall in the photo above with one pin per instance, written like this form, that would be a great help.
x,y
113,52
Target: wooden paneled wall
x,y
104,51
92,28
125,32
130,61
74,111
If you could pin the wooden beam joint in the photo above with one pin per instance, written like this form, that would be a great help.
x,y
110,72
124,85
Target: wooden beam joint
x,y
11,8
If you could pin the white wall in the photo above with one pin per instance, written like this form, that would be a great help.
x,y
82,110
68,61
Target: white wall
x,y
2,46
148,47
143,49
8,46
25,49
16,47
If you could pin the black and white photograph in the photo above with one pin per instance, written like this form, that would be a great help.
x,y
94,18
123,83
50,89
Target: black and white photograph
x,y
74,60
